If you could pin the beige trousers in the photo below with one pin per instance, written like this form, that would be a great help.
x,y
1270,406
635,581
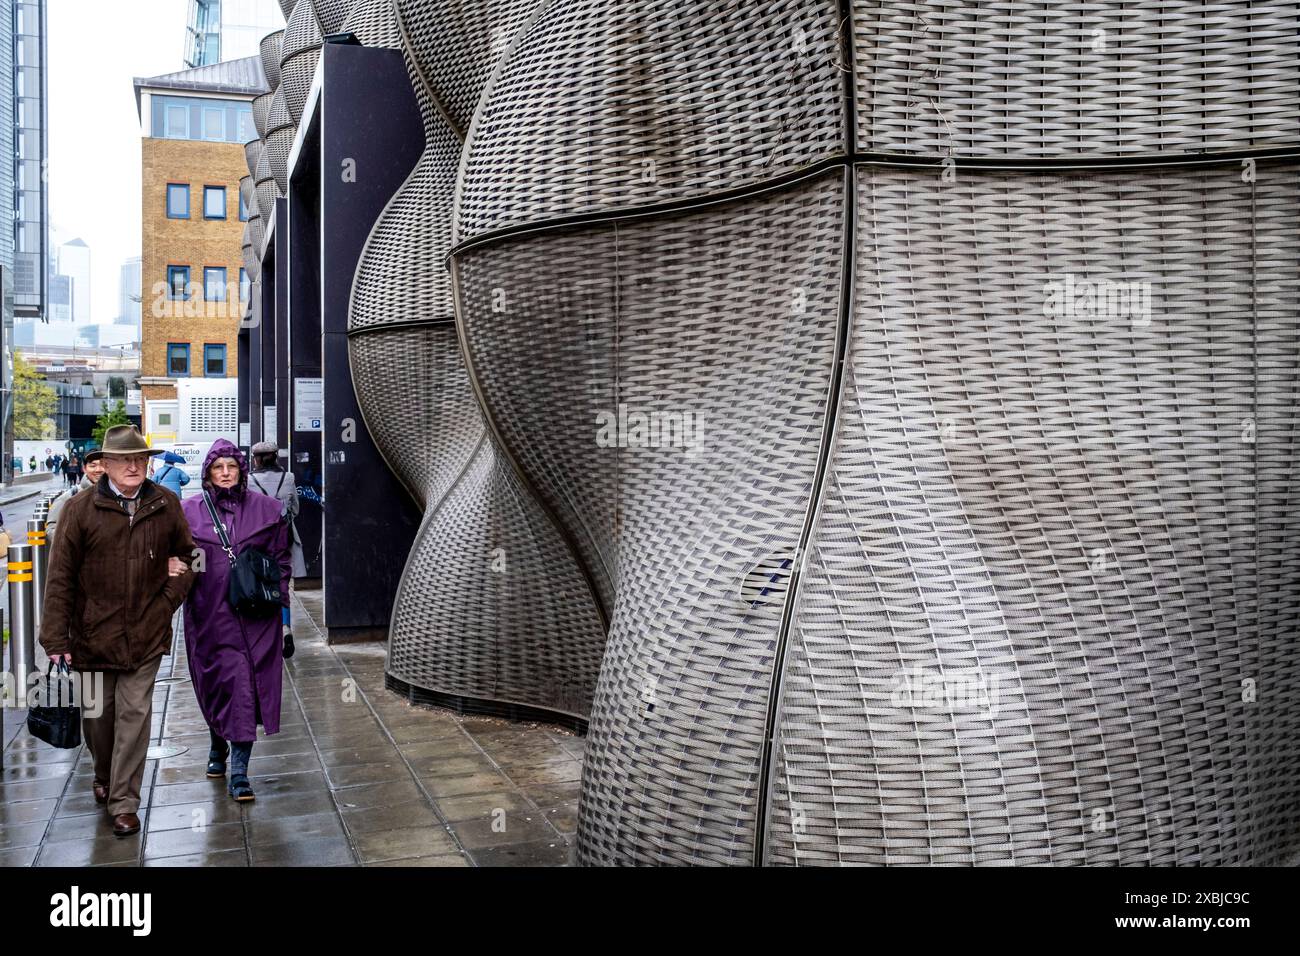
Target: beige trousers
x,y
118,739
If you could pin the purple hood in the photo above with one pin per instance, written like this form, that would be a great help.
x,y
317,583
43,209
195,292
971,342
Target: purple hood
x,y
221,448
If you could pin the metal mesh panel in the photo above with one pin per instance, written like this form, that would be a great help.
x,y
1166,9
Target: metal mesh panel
x,y
286,7
1046,78
281,129
541,321
606,105
247,194
1070,507
270,52
455,45
257,235
261,108
672,765
517,628
490,605
1033,594
412,382
374,23
400,279
332,13
265,187
300,53
251,265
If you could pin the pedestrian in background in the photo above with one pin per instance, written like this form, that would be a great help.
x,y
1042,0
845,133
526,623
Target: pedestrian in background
x,y
109,599
171,477
94,470
236,662
272,480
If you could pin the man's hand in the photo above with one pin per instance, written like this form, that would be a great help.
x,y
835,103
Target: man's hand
x,y
55,658
176,567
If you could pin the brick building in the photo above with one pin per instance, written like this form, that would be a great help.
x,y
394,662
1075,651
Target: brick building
x,y
192,220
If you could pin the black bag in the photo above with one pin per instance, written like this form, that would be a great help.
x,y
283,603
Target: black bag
x,y
254,576
57,726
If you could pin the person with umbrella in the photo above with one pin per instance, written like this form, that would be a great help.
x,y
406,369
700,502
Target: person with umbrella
x,y
171,477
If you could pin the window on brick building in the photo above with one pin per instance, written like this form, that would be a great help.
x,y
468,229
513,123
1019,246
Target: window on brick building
x,y
214,283
214,202
178,358
214,361
178,281
178,201
245,287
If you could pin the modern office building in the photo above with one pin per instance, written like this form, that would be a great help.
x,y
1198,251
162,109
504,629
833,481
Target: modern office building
x,y
218,30
194,124
24,247
74,264
30,149
128,293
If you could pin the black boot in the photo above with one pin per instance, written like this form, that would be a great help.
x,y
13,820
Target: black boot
x,y
239,787
217,755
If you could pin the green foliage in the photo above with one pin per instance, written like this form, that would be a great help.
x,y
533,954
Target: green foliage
x,y
34,403
108,418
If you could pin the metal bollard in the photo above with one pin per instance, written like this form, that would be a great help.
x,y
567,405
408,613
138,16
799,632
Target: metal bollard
x,y
40,560
22,628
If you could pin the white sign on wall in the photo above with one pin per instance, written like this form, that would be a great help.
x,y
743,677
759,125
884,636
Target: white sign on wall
x,y
268,423
308,404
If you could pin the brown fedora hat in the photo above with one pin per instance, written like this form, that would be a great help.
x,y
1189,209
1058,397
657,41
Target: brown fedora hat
x,y
126,440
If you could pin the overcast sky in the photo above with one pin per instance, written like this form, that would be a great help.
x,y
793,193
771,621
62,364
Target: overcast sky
x,y
95,49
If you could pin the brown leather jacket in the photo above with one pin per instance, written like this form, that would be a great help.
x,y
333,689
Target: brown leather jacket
x,y
108,599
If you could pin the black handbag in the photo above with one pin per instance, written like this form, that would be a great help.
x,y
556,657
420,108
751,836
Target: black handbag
x,y
57,726
254,589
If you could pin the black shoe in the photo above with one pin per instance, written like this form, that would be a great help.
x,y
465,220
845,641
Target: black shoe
x,y
217,761
288,645
240,789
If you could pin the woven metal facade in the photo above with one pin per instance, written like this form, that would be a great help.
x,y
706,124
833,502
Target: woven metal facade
x,y
977,324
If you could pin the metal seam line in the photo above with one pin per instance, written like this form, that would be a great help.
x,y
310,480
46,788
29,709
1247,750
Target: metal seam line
x,y
830,432
880,160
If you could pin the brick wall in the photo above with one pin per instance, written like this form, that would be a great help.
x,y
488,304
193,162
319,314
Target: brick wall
x,y
195,242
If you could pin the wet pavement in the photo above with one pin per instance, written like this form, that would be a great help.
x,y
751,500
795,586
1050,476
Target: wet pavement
x,y
356,776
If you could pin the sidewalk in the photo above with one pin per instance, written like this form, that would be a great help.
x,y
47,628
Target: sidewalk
x,y
356,776
29,489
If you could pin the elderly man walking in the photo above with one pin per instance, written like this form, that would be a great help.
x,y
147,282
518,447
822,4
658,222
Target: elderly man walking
x,y
109,601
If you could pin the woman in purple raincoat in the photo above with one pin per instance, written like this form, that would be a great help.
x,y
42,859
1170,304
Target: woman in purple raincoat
x,y
236,662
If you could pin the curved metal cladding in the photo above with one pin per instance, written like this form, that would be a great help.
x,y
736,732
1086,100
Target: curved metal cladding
x,y
625,321
731,310
299,54
261,109
1034,595
1048,569
270,50
373,23
281,128
492,605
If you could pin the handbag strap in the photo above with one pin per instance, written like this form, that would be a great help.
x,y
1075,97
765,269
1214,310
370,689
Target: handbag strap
x,y
219,528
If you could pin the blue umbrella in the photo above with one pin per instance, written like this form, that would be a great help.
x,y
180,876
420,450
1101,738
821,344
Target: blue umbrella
x,y
171,458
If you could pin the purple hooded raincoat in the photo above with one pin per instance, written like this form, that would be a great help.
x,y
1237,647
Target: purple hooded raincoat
x,y
236,663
